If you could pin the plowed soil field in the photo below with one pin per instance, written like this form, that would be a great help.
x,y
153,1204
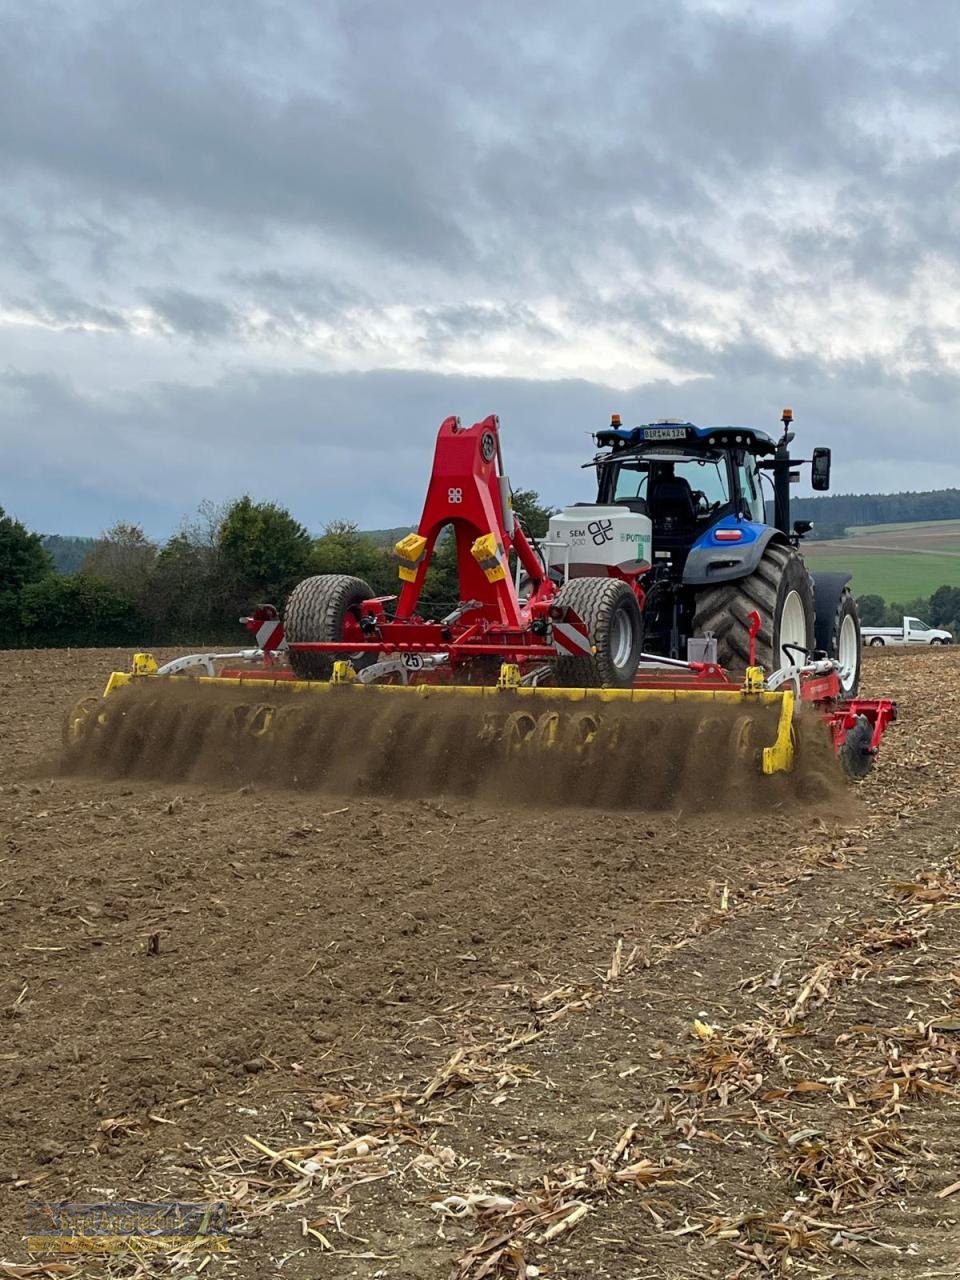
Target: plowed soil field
x,y
417,1038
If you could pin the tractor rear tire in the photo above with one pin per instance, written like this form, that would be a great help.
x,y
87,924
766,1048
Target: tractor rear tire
x,y
781,591
615,625
846,644
315,612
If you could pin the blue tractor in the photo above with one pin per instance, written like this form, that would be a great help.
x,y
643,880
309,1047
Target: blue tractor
x,y
714,555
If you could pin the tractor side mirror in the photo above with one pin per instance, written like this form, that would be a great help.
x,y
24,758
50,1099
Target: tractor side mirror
x,y
820,470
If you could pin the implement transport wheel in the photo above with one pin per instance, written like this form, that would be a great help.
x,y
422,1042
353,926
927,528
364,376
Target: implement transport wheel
x,y
326,609
615,625
781,591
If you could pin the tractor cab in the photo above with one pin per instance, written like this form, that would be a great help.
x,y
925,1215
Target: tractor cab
x,y
686,479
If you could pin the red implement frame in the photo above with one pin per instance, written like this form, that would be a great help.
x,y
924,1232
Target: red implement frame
x,y
466,494
841,714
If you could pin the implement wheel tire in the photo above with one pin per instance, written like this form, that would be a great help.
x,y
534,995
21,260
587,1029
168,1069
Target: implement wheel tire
x,y
781,591
321,609
615,625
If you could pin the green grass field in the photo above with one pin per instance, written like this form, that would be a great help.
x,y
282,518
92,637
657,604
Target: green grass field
x,y
896,561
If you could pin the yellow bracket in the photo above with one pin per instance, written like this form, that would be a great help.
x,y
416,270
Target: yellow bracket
x,y
488,554
753,680
779,757
411,550
509,677
343,672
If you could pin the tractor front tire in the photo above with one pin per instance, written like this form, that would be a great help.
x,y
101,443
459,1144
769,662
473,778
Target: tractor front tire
x,y
780,590
317,610
612,616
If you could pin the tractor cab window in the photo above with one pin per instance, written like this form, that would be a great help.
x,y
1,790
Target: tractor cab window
x,y
751,504
678,491
632,486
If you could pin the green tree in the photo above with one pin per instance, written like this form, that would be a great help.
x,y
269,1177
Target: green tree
x,y
534,514
918,607
945,607
341,548
22,561
897,611
263,553
873,610
123,557
78,610
441,587
185,600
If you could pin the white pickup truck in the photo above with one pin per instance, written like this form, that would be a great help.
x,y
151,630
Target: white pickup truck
x,y
912,631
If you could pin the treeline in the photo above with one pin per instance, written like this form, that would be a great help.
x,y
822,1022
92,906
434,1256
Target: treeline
x,y
942,609
192,589
834,513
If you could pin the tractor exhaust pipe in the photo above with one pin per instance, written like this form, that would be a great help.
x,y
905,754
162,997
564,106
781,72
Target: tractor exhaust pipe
x,y
781,467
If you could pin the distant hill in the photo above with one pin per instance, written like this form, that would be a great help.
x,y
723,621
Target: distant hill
x,y
838,511
894,561
68,554
386,537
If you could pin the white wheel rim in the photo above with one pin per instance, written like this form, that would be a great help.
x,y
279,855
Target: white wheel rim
x,y
621,639
793,627
848,651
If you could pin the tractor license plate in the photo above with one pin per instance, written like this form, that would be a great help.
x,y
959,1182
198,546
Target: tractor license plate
x,y
665,433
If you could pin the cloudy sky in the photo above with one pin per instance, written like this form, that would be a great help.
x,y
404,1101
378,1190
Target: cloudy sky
x,y
267,247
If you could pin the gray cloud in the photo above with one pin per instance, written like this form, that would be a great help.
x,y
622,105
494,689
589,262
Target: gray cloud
x,y
194,316
358,446
245,246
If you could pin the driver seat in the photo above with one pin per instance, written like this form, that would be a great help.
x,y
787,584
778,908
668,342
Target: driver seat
x,y
672,504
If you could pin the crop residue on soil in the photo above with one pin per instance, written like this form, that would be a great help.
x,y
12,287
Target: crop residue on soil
x,y
698,756
485,1039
